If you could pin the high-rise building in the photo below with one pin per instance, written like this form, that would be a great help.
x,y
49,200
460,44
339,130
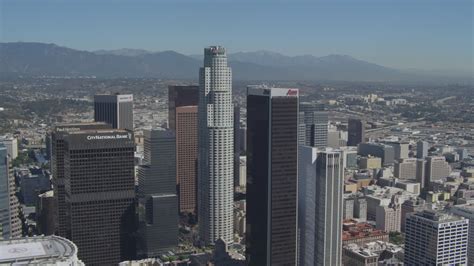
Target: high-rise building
x,y
100,194
388,218
186,156
316,124
272,162
406,169
421,149
11,144
410,206
10,225
45,213
57,168
401,149
467,211
436,168
320,206
180,95
114,109
215,148
356,132
157,199
386,152
435,238
237,140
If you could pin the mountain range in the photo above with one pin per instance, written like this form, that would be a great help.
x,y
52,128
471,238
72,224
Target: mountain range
x,y
41,59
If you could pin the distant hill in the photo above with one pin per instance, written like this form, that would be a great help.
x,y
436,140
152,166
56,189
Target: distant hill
x,y
37,59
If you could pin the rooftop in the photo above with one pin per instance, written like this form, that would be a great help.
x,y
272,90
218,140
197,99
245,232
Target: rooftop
x,y
38,250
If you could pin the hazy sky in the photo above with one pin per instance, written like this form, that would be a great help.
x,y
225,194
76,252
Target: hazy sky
x,y
425,34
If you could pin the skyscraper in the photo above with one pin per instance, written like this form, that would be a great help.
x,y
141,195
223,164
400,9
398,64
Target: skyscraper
x,y
186,157
435,238
436,168
272,168
216,151
320,199
180,95
157,199
316,124
236,144
356,132
57,168
100,194
467,211
115,109
10,224
421,149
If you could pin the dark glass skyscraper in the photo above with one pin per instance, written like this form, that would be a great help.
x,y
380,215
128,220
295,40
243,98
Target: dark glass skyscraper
x,y
115,109
315,120
57,168
157,199
272,150
100,194
356,132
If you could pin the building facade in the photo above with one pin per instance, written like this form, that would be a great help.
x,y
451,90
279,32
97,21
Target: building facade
x,y
178,96
215,148
355,131
10,224
320,200
186,157
157,199
57,168
100,194
315,121
435,238
114,109
272,154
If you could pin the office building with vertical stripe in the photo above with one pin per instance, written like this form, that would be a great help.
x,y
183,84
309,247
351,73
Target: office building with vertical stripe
x,y
215,148
57,168
186,157
114,109
272,176
157,199
180,95
320,206
100,194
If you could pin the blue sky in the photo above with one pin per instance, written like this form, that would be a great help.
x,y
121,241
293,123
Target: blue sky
x,y
423,34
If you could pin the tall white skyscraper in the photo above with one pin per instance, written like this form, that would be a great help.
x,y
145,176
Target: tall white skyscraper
x,y
320,206
215,147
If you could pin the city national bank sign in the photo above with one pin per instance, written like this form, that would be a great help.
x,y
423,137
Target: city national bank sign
x,y
109,137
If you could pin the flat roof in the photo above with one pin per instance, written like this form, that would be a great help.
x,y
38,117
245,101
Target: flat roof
x,y
38,249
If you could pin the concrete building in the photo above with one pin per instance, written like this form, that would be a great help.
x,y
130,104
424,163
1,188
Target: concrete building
x,y
356,132
436,168
215,148
33,183
186,129
178,96
39,250
45,213
370,163
272,181
361,232
157,200
401,149
371,254
10,224
115,109
100,194
467,211
349,157
320,206
383,151
422,149
388,218
58,150
436,238
316,124
11,144
242,172
405,169
360,209
348,207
